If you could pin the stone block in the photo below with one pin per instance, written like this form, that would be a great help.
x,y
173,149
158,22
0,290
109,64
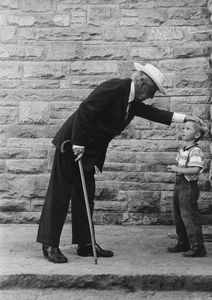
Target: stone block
x,y
33,112
45,70
28,186
165,219
204,202
79,16
164,34
191,80
2,166
129,21
92,67
123,176
92,52
3,20
159,177
152,17
36,205
149,219
26,166
188,16
68,6
20,217
5,184
106,191
120,156
150,53
63,51
155,162
11,205
191,49
6,153
37,84
99,15
111,34
9,4
62,110
166,202
132,218
32,131
182,3
29,143
60,34
185,65
61,19
10,70
134,145
108,218
38,154
110,206
158,134
8,115
10,84
14,52
191,100
36,6
21,20
143,201
202,111
8,34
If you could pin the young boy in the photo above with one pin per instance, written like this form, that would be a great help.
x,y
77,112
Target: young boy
x,y
186,192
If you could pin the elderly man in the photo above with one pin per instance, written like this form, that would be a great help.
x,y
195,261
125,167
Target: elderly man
x,y
86,134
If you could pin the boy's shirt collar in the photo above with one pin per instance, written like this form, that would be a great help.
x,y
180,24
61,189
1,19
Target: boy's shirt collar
x,y
188,148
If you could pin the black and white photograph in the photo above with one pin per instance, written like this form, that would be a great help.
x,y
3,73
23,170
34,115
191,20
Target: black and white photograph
x,y
105,149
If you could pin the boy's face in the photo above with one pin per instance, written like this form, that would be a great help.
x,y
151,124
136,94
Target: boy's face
x,y
190,132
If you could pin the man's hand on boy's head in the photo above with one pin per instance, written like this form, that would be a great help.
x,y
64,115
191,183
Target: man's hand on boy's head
x,y
189,118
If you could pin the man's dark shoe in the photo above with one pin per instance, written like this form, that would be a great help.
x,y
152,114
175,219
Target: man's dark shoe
x,y
54,254
179,248
198,251
87,250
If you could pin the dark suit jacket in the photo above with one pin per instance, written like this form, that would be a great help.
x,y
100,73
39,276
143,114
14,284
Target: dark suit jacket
x,y
101,116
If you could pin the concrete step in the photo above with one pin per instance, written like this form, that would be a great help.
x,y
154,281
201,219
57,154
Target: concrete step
x,y
91,294
141,261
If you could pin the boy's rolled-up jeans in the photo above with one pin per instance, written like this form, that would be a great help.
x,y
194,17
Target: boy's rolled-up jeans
x,y
185,212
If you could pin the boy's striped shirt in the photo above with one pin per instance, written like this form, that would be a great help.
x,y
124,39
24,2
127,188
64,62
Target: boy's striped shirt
x,y
191,158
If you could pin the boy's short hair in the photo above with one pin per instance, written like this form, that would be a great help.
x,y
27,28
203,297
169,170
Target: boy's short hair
x,y
200,127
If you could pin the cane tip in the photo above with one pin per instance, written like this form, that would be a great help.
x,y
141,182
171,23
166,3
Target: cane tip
x,y
95,261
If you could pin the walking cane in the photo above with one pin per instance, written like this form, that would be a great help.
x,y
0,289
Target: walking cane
x,y
88,209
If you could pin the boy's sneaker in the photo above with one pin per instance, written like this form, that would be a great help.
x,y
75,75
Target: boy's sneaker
x,y
179,248
197,251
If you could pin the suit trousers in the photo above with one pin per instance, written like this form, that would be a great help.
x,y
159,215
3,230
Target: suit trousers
x,y
65,185
185,212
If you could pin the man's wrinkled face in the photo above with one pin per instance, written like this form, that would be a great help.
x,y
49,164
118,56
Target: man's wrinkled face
x,y
145,88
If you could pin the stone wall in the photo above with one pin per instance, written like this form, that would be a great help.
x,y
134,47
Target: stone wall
x,y
54,52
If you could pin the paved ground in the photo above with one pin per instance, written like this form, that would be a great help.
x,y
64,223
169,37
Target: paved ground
x,y
141,262
55,294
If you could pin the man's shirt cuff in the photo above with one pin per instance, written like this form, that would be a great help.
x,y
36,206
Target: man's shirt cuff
x,y
178,118
77,146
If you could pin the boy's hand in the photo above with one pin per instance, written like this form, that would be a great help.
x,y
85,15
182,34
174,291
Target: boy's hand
x,y
173,168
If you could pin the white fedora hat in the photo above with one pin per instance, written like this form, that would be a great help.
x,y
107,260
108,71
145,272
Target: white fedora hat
x,y
154,74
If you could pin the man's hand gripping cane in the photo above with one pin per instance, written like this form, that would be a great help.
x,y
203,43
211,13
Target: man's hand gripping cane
x,y
78,151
